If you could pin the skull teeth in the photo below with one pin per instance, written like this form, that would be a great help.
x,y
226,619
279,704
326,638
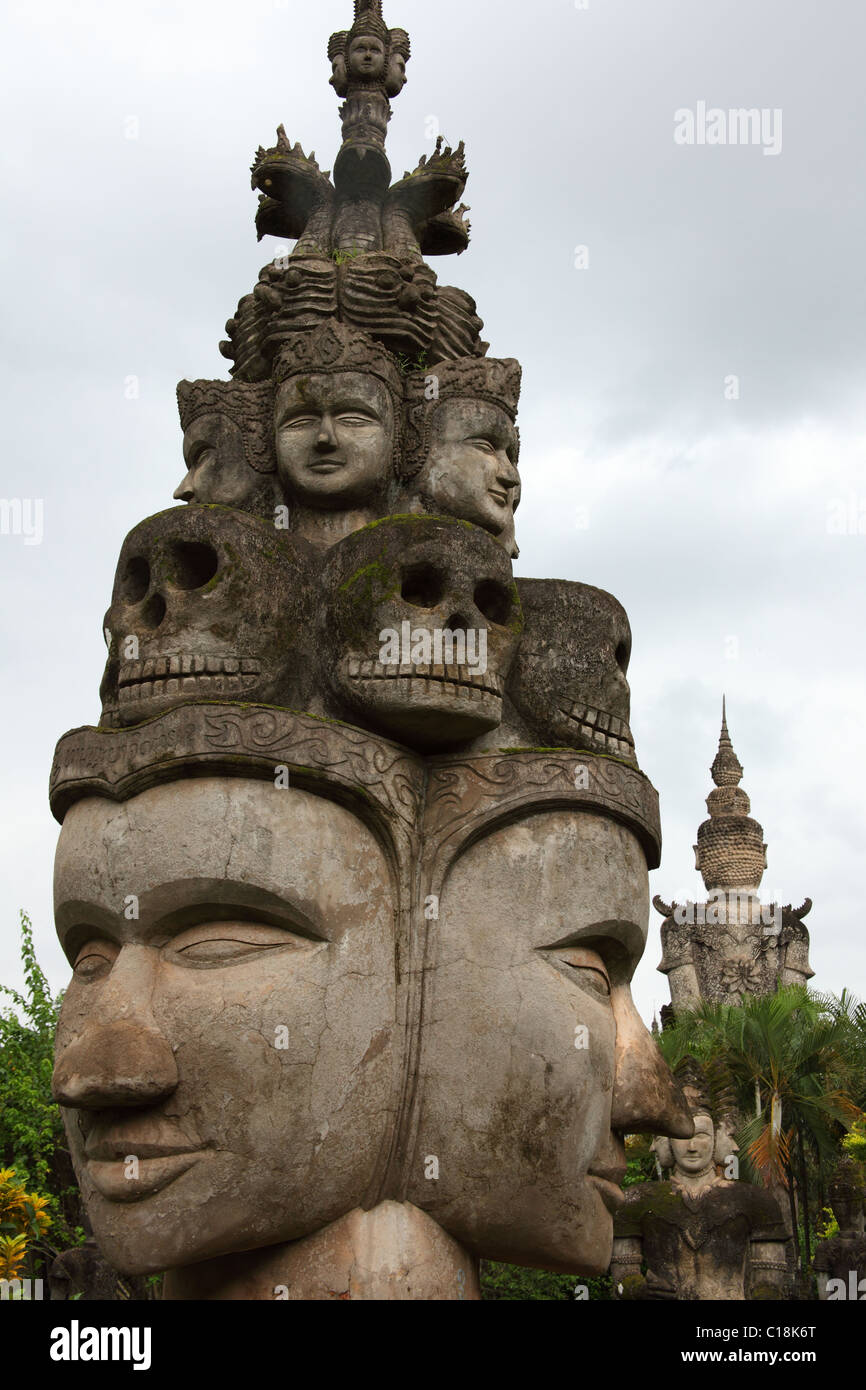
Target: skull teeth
x,y
453,680
169,677
604,731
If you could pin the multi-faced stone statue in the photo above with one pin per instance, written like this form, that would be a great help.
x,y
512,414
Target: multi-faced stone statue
x,y
419,627
700,1235
569,682
337,431
263,1068
462,444
228,445
208,604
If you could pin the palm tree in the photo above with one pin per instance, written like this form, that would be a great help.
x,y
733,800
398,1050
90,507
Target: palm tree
x,y
795,1065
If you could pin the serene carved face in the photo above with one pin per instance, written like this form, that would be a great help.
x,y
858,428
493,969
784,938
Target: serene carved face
x,y
696,1155
471,470
207,605
234,1038
217,468
366,57
569,680
420,629
335,439
534,1060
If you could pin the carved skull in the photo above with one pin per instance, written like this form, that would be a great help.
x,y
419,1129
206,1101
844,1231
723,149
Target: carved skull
x,y
569,679
420,630
208,604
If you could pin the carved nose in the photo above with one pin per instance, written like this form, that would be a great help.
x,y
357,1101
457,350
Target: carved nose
x,y
327,440
508,475
115,1064
186,491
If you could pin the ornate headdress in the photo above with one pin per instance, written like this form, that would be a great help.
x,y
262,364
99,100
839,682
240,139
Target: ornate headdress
x,y
472,378
249,406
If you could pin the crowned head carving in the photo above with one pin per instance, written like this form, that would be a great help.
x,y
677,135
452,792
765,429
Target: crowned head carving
x,y
419,629
369,54
228,445
569,680
463,444
337,419
208,604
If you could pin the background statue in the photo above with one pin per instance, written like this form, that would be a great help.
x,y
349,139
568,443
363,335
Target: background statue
x,y
699,1236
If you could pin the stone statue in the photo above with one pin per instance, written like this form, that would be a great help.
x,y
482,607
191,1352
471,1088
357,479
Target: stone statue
x,y
840,1262
732,944
353,874
699,1236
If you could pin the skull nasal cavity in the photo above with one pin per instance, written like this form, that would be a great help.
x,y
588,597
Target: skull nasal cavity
x,y
623,656
194,564
136,580
494,601
153,612
423,586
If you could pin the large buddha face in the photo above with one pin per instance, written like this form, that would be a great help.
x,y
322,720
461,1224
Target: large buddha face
x,y
225,1046
535,1062
471,469
334,439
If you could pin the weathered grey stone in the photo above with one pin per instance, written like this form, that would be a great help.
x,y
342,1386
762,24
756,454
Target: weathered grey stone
x,y
419,630
208,603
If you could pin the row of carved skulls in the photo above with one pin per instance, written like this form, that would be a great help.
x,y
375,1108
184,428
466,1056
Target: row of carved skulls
x,y
412,627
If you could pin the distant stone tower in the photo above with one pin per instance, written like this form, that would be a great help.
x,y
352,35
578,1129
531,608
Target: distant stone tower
x,y
732,944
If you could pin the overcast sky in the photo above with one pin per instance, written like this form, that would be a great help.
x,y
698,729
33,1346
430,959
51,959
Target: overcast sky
x,y
706,516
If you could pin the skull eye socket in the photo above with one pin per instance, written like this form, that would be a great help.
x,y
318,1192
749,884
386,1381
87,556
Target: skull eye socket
x,y
193,564
623,653
423,586
135,581
493,600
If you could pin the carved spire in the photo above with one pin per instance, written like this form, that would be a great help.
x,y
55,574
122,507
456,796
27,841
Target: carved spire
x,y
727,769
730,852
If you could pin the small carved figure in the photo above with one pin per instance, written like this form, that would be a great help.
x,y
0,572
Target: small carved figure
x,y
700,1236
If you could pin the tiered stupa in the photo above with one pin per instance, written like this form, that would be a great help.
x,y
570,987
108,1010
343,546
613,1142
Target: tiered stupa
x,y
732,944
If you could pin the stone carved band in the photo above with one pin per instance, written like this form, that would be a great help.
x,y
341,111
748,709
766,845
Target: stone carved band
x,y
465,794
225,740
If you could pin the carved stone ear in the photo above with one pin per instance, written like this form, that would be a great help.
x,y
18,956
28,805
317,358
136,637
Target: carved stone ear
x,y
661,1147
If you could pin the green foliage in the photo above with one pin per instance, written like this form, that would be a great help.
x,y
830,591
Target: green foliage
x,y
32,1140
511,1283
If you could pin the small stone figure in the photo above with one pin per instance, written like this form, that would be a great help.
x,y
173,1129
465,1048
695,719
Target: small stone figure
x,y
840,1262
699,1235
